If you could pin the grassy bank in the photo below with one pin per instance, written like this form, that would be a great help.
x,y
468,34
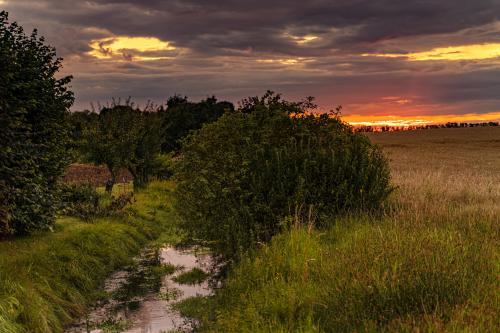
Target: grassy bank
x,y
430,264
47,279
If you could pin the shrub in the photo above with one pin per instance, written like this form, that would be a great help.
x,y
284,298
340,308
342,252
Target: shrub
x,y
79,200
240,175
33,129
84,202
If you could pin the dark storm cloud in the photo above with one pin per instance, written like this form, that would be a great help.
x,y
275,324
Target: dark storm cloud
x,y
235,48
259,24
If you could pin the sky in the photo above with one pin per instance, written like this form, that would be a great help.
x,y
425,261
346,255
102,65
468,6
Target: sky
x,y
384,61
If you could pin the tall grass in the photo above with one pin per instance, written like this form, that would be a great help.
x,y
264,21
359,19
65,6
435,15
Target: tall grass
x,y
46,280
431,264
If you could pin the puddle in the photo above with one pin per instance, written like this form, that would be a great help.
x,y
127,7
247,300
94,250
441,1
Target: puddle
x,y
142,294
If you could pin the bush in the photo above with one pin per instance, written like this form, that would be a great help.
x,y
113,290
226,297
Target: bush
x,y
79,200
33,130
242,174
84,202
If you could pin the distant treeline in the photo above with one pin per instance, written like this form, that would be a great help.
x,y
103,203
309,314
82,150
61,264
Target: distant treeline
x,y
142,141
420,127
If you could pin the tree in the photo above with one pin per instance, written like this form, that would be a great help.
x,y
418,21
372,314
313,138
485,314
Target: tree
x,y
33,129
111,139
123,137
181,117
240,177
143,161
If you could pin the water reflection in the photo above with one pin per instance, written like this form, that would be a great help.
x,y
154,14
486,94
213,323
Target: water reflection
x,y
141,299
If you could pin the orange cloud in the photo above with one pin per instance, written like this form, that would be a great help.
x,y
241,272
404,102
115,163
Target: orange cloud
x,y
129,48
463,52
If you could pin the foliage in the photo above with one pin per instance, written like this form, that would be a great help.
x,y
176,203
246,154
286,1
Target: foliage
x,y
47,279
84,202
33,129
238,177
194,276
144,161
164,166
122,136
181,117
79,122
79,200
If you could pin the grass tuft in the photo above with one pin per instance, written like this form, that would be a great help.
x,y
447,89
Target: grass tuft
x,y
194,276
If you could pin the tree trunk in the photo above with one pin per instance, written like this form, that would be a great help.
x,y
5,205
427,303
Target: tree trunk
x,y
111,182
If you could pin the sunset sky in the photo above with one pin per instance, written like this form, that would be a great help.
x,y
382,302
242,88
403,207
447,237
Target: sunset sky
x,y
386,60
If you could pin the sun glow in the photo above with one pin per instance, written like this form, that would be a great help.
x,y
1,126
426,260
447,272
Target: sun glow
x,y
405,121
302,39
130,48
284,61
464,52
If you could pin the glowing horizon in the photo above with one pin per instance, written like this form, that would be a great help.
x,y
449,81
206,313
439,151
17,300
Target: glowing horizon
x,y
405,121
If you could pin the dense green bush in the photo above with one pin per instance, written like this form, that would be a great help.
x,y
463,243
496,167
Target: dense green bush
x,y
79,200
241,175
33,129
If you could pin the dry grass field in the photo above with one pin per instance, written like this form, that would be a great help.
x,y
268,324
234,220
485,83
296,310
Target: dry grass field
x,y
453,173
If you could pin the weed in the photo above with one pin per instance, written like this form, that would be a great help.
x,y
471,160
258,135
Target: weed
x,y
194,276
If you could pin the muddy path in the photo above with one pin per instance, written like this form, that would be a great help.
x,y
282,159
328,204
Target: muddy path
x,y
140,298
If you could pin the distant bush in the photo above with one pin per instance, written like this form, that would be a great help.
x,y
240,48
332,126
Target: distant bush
x,y
164,166
238,177
79,200
83,201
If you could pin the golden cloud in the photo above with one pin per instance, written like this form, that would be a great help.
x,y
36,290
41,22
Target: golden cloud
x,y
130,48
284,61
464,52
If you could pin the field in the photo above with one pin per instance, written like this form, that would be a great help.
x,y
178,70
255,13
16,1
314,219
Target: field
x,y
431,263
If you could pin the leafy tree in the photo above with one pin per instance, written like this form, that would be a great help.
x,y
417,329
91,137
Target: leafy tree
x,y
33,129
123,137
111,140
238,178
79,123
144,160
182,117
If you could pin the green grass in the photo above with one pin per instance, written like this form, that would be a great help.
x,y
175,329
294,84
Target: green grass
x,y
193,307
47,279
361,276
194,276
112,326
